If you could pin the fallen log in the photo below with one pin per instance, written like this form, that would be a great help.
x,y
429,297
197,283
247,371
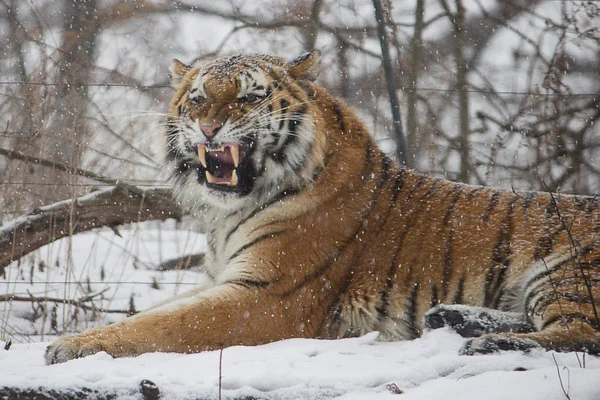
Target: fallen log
x,y
109,207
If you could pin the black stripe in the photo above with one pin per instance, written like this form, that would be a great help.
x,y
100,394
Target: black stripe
x,y
385,169
491,205
554,228
254,242
580,202
458,296
474,191
435,300
274,200
528,200
592,206
366,171
211,242
500,262
447,268
412,311
398,185
293,123
283,107
339,116
498,288
546,242
551,208
382,308
249,283
335,309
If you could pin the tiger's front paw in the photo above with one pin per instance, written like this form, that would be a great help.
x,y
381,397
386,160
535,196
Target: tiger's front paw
x,y
488,344
78,346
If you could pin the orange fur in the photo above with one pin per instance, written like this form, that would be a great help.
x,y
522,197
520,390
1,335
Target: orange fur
x,y
360,244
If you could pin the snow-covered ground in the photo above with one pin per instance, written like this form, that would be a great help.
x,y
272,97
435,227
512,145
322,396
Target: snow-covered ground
x,y
361,368
116,269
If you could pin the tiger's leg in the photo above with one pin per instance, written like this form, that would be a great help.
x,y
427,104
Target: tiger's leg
x,y
563,300
471,321
226,315
572,336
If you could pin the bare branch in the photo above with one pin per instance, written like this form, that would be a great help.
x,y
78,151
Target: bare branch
x,y
77,303
118,205
17,155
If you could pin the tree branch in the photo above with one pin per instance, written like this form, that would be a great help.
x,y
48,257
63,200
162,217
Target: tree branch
x,y
77,303
110,207
17,155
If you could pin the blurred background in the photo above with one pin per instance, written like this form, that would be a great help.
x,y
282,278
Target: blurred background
x,y
496,92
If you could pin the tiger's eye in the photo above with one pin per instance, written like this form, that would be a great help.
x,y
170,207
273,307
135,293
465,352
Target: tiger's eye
x,y
250,98
195,98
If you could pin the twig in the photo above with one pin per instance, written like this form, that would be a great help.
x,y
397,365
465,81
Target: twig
x,y
220,372
560,378
78,303
17,155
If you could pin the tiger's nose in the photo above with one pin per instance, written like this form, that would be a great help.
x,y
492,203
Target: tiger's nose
x,y
210,130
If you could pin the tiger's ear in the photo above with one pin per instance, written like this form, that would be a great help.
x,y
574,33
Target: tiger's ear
x,y
307,66
176,72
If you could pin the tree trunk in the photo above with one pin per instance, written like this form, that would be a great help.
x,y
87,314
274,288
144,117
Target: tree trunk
x,y
67,127
390,78
416,46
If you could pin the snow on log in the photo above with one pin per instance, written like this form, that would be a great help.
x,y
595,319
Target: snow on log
x,y
110,207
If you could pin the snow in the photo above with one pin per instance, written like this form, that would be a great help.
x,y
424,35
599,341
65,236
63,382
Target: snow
x,y
359,368
121,268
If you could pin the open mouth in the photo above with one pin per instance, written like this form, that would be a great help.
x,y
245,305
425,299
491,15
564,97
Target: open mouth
x,y
221,162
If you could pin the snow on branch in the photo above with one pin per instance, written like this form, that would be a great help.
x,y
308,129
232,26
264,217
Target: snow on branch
x,y
110,207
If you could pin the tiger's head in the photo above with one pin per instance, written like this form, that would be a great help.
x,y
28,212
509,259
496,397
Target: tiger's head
x,y
242,129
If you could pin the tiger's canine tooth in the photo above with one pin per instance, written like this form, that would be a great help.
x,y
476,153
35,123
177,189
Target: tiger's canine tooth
x,y
234,178
202,155
235,154
209,177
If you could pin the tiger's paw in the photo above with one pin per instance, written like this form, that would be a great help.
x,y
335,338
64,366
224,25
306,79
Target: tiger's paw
x,y
489,344
471,321
77,346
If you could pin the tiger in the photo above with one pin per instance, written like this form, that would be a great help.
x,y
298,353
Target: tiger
x,y
314,232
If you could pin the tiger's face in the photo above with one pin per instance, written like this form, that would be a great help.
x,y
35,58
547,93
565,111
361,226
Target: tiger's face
x,y
240,128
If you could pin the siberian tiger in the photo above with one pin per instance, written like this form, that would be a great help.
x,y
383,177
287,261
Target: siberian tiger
x,y
313,232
